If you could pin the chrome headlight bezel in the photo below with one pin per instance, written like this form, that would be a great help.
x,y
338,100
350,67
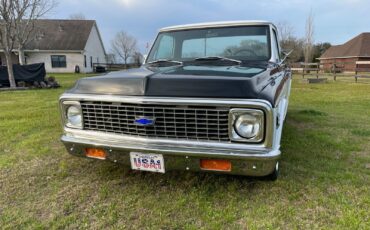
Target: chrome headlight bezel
x,y
235,114
66,121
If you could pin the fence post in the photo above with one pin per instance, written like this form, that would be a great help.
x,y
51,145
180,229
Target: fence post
x,y
303,69
356,72
335,70
317,71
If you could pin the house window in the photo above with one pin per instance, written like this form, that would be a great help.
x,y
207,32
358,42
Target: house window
x,y
58,61
91,64
85,61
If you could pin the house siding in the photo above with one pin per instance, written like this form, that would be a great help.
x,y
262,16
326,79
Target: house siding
x,y
72,60
348,64
94,49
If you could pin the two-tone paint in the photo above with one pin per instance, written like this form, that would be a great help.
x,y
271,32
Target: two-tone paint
x,y
268,90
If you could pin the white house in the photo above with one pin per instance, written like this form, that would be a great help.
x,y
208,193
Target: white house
x,y
64,44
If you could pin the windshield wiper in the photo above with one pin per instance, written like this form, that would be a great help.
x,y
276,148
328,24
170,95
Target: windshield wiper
x,y
164,61
218,58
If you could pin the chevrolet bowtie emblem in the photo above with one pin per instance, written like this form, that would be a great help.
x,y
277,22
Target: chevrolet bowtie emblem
x,y
144,121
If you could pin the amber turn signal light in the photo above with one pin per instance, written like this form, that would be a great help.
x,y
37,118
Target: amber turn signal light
x,y
217,165
95,153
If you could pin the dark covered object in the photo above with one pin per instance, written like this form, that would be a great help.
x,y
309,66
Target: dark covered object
x,y
25,73
100,69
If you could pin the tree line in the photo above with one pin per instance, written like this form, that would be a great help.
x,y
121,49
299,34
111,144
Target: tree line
x,y
124,46
304,48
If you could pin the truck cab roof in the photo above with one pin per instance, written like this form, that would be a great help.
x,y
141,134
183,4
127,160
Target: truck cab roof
x,y
217,24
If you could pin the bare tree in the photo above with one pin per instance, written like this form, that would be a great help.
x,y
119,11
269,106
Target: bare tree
x,y
124,45
286,31
7,35
309,38
77,16
28,11
111,58
138,58
289,42
296,45
17,24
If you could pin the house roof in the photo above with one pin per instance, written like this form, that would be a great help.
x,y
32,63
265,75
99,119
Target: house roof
x,y
358,46
56,34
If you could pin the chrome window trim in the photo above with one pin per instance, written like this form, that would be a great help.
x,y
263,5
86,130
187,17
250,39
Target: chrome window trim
x,y
216,25
232,103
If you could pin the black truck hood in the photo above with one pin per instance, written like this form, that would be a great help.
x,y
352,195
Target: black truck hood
x,y
179,83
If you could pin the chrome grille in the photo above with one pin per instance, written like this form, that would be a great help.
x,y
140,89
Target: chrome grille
x,y
171,121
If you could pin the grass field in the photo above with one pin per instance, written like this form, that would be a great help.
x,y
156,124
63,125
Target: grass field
x,y
324,182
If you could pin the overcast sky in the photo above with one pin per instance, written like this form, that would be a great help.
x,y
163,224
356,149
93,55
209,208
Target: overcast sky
x,y
336,21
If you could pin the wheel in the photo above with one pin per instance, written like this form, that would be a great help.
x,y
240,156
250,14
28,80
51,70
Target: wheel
x,y
274,175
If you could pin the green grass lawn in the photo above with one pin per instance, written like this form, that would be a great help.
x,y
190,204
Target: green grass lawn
x,y
324,182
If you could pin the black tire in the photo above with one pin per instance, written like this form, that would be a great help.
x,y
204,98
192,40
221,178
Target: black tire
x,y
275,174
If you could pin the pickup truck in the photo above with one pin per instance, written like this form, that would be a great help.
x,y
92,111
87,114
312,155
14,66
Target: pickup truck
x,y
209,97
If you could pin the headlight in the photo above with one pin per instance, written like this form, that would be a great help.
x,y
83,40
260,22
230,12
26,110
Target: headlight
x,y
73,114
247,125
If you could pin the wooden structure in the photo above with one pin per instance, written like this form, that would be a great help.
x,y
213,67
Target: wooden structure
x,y
362,68
316,80
308,68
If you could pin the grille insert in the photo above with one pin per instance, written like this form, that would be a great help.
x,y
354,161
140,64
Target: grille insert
x,y
171,121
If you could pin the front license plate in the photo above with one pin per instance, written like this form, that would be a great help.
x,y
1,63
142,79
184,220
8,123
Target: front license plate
x,y
147,162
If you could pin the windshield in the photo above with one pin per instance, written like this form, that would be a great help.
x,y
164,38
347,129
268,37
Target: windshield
x,y
246,43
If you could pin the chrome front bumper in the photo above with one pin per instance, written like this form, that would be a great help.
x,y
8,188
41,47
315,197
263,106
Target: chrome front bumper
x,y
178,155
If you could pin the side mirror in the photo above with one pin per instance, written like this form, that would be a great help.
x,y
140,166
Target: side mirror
x,y
285,54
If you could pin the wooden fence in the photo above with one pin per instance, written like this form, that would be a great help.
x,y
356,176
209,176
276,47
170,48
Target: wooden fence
x,y
103,67
356,70
362,69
